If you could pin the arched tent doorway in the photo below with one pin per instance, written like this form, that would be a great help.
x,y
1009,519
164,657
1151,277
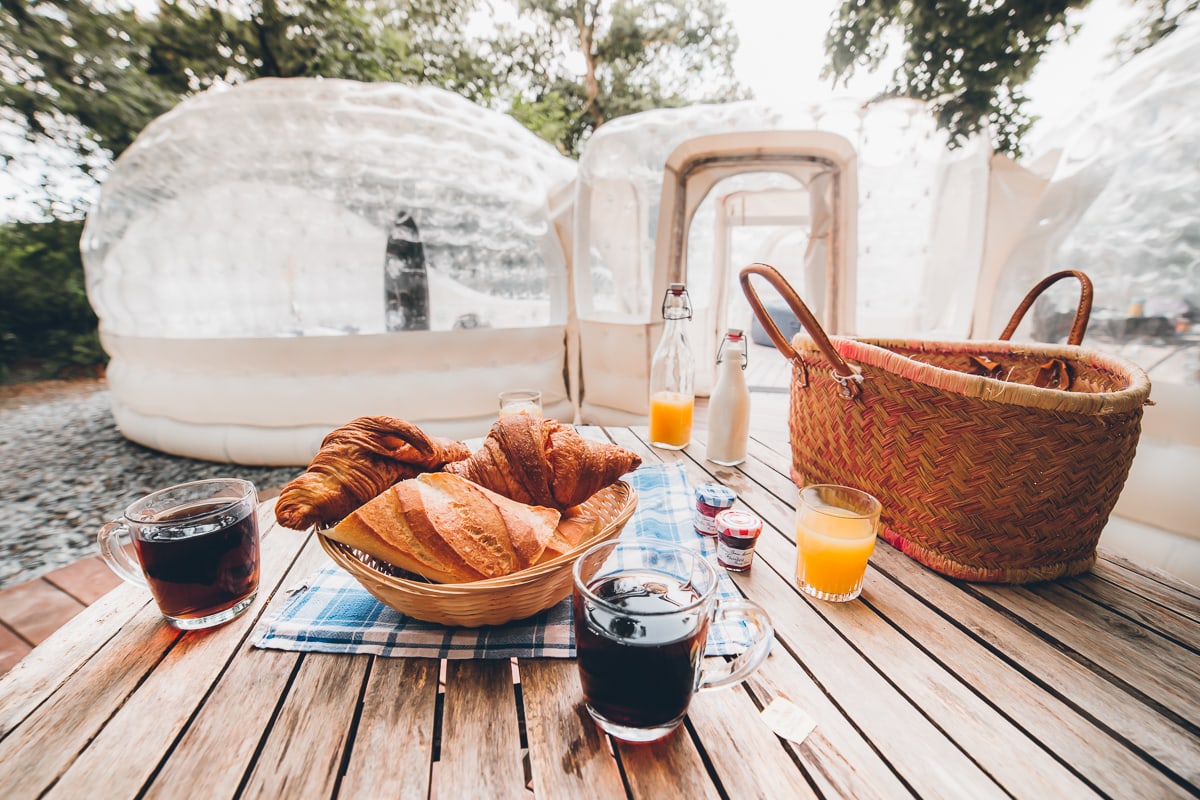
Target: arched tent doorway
x,y
804,178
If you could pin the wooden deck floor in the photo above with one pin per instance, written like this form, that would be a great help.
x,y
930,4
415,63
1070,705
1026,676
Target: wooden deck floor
x,y
31,611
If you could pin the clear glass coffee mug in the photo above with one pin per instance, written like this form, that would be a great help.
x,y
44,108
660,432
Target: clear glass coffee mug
x,y
195,547
642,614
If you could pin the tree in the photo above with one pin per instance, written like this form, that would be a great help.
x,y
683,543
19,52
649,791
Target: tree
x,y
575,64
44,313
90,78
968,58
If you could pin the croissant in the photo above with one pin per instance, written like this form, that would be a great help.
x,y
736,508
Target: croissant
x,y
543,462
357,462
449,530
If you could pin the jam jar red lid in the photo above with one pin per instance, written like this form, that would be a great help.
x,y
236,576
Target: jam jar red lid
x,y
739,524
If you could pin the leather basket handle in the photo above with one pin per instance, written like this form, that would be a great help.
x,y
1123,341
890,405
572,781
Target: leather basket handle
x,y
1082,313
814,329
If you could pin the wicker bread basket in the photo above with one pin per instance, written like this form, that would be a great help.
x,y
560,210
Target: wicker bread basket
x,y
487,602
994,461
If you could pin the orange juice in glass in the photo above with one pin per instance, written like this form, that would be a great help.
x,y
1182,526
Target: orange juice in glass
x,y
835,534
671,419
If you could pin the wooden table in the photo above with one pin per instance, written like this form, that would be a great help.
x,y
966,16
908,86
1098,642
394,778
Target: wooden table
x,y
923,687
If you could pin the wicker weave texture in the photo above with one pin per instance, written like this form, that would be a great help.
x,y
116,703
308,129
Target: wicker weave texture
x,y
981,479
496,600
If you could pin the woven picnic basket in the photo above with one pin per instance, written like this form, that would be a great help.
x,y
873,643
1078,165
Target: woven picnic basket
x,y
496,600
994,461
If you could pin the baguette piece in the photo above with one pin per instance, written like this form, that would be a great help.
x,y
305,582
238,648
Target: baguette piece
x,y
448,530
357,462
543,462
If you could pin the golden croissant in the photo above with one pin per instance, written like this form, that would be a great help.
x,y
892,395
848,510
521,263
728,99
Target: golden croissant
x,y
449,530
543,462
357,462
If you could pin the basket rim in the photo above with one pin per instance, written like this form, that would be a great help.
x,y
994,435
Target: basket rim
x,y
342,554
875,352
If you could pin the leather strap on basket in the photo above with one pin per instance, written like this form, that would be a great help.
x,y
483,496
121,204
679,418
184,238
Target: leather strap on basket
x,y
846,377
1055,373
1082,313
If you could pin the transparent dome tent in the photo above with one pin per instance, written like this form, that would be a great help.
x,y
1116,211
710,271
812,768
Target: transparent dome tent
x,y
270,261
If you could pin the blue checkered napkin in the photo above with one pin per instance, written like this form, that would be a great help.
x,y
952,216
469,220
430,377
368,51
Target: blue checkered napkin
x,y
332,613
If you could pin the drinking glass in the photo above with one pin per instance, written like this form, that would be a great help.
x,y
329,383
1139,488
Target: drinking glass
x,y
523,401
835,535
195,547
642,613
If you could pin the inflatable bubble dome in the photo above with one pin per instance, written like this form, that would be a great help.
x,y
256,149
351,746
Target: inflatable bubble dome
x,y
271,260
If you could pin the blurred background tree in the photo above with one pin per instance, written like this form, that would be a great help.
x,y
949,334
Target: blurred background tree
x,y
635,56
969,59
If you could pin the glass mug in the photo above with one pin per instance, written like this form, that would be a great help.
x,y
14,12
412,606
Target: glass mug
x,y
196,548
835,535
524,401
642,613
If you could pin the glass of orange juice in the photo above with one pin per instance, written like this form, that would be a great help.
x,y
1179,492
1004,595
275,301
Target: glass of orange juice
x,y
671,419
835,534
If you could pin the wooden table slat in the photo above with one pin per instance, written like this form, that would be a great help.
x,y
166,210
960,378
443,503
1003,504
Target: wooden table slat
x,y
1108,640
303,752
749,759
670,767
1180,592
43,672
1143,611
481,745
229,727
156,714
1058,727
393,744
835,757
568,753
1076,684
51,739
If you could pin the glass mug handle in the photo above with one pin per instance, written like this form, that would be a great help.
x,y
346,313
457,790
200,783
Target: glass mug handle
x,y
115,554
761,633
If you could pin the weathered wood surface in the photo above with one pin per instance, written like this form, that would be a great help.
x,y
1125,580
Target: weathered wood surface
x,y
924,687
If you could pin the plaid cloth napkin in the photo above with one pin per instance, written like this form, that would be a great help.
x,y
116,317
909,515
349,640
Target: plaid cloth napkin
x,y
332,613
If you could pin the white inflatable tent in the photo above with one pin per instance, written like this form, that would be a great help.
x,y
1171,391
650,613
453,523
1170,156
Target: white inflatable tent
x,y
273,260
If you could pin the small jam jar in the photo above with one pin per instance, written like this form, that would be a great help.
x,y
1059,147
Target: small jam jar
x,y
737,533
711,499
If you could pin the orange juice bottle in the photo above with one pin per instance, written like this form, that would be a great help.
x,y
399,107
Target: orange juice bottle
x,y
672,375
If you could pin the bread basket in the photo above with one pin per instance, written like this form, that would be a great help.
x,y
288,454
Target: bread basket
x,y
493,601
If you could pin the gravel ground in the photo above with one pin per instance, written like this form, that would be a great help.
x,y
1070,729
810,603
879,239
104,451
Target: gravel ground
x,y
68,471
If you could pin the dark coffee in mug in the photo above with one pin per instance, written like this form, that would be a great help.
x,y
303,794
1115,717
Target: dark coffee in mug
x,y
197,560
639,659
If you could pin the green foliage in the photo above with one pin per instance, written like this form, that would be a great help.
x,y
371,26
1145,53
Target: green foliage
x,y
967,58
44,313
634,55
91,77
